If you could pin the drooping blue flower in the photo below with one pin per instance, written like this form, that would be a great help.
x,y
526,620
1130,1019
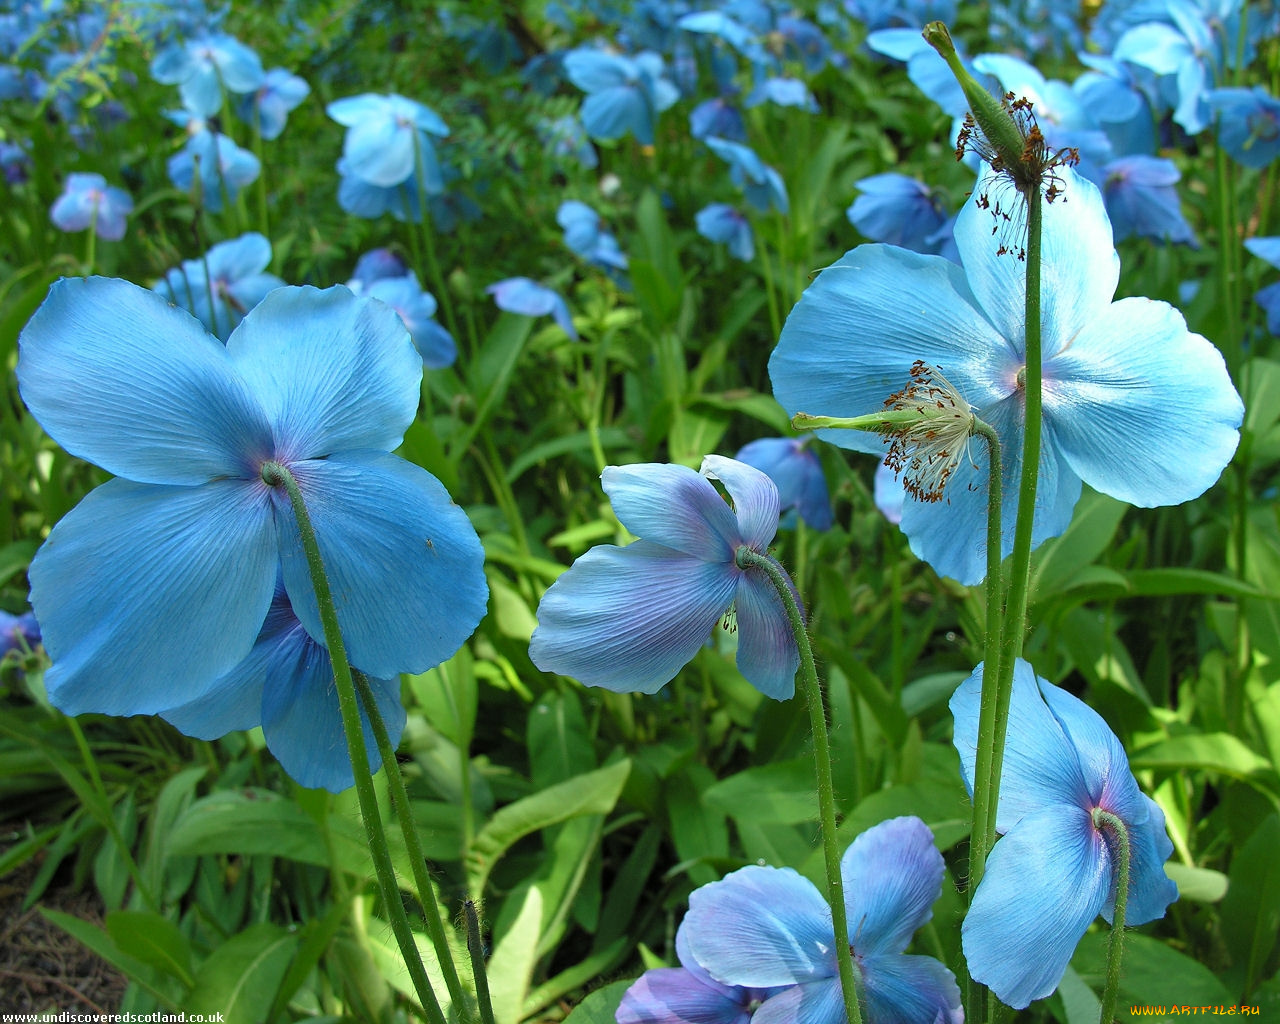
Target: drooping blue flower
x,y
760,183
1269,297
1054,870
1185,56
1248,124
221,288
629,619
722,223
375,265
584,234
417,308
204,66
223,167
770,927
362,199
719,117
899,210
797,472
285,685
525,296
159,582
389,140
1134,404
269,105
624,94
18,632
782,91
1142,200
88,201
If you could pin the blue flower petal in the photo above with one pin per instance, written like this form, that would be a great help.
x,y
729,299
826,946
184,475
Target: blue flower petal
x,y
817,1002
761,926
629,619
1143,409
755,499
767,654
673,506
909,990
404,562
1151,890
892,877
333,371
592,70
677,996
1045,882
167,407
614,112
380,151
147,594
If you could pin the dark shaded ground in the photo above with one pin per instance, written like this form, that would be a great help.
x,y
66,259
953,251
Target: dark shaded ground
x,y
42,968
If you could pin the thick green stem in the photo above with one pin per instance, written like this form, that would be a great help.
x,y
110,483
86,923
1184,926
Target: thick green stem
x,y
1115,948
417,860
274,475
475,949
752,560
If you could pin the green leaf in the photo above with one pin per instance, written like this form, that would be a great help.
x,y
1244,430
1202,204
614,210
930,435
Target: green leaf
x,y
489,374
140,973
1214,752
1153,974
449,697
559,743
154,940
601,1006
699,833
14,558
1079,1004
240,977
1094,524
781,793
1251,908
515,954
1200,885
1170,581
592,793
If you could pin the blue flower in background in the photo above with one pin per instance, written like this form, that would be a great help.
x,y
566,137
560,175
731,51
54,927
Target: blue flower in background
x,y
760,183
584,234
522,295
629,619
1142,200
770,927
1269,297
722,223
1054,870
417,308
232,276
1248,124
1134,404
269,105
792,465
718,117
18,632
361,199
223,167
389,140
285,685
566,138
784,92
624,94
375,265
159,582
88,201
899,210
203,66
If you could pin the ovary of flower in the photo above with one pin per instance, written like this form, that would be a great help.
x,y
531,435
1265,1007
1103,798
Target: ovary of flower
x,y
926,452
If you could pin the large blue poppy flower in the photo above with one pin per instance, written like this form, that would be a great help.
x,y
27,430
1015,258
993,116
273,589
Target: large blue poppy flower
x,y
628,619
158,583
1054,870
1135,405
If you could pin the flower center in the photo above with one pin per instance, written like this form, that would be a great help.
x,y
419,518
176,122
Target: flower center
x,y
926,452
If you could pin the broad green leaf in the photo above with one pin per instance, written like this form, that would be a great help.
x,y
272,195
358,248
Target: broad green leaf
x,y
699,832
593,793
515,954
1094,524
559,744
1214,752
509,611
154,940
1200,885
781,793
174,798
1099,653
1153,973
449,697
92,937
240,977
14,558
601,1006
1251,907
1164,582
1079,1003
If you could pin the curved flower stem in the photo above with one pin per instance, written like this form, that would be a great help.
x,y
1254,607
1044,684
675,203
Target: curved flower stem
x,y
276,475
748,559
1115,948
417,860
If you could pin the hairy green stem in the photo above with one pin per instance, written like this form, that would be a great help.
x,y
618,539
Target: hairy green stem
x,y
475,949
748,559
1115,948
274,474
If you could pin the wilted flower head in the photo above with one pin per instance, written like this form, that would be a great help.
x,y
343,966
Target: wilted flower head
x,y
88,201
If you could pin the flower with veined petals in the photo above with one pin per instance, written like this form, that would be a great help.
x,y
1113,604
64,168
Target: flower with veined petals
x,y
1134,404
158,583
1054,870
766,927
628,619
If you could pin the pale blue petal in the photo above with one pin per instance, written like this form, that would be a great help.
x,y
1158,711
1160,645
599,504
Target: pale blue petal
x,y
629,619
1151,890
379,151
404,563
591,71
334,372
761,926
754,496
892,877
674,506
181,581
815,1002
1143,409
677,996
767,654
1045,882
119,377
614,112
909,990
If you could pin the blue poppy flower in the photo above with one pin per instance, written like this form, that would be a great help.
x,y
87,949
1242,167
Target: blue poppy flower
x,y
1134,404
766,927
565,137
389,139
525,296
374,266
629,619
362,199
18,632
760,183
285,685
221,288
204,66
224,168
720,222
792,465
268,106
584,234
899,210
1054,870
624,94
784,92
718,117
159,582
1142,200
1269,297
1248,124
417,308
88,201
